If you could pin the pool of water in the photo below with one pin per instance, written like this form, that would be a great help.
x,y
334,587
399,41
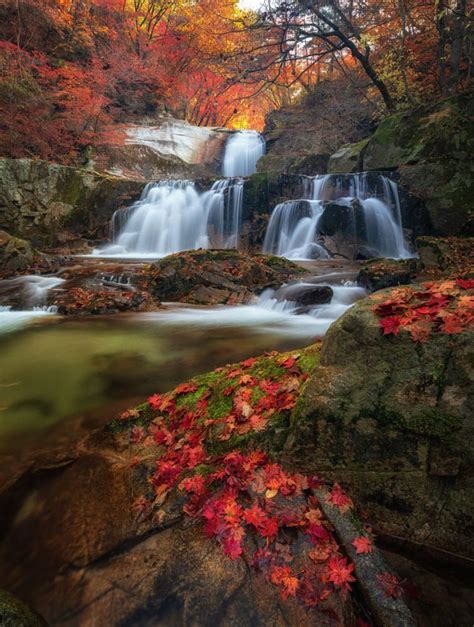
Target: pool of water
x,y
57,369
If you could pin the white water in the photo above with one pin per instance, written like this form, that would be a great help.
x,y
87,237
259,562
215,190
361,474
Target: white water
x,y
266,315
293,227
33,291
172,216
242,151
292,230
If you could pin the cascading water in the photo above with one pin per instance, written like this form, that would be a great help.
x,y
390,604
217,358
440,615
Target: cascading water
x,y
31,295
172,216
242,151
293,228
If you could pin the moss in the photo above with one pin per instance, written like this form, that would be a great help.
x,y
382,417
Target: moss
x,y
432,422
189,400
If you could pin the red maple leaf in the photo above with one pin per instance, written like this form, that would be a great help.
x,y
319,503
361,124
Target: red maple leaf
x,y
283,577
269,528
185,388
155,401
255,516
195,484
288,363
390,324
232,546
465,284
363,544
249,362
339,498
340,572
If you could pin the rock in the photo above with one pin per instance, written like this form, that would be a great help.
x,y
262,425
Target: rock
x,y
448,254
342,227
348,158
45,202
393,420
366,252
76,546
14,613
165,147
216,276
15,254
106,289
430,149
305,294
383,273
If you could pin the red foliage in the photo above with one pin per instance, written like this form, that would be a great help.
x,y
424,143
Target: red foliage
x,y
244,499
441,307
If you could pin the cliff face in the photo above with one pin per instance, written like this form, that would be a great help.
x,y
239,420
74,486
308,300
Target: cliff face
x,y
431,151
51,204
427,151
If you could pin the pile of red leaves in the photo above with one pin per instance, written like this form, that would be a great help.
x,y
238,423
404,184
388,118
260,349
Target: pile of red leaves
x,y
438,307
249,504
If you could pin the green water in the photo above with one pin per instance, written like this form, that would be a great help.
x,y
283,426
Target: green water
x,y
59,370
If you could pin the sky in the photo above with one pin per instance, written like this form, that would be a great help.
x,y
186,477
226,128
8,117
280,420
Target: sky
x,y
250,4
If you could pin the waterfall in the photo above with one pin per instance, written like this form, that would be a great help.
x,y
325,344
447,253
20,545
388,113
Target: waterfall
x,y
291,231
242,151
172,216
225,212
293,227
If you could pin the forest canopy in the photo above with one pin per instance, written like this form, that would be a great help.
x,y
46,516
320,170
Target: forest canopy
x,y
73,71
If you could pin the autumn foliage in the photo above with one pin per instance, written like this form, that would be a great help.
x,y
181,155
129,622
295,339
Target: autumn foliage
x,y
71,72
252,506
432,308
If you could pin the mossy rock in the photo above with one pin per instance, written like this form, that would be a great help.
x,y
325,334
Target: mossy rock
x,y
15,613
447,254
378,274
393,419
431,148
216,276
17,255
348,158
41,200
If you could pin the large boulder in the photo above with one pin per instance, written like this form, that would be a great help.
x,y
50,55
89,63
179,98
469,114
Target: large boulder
x,y
393,419
212,277
431,150
47,202
165,147
83,542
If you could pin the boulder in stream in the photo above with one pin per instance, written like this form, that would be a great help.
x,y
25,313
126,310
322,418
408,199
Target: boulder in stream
x,y
214,277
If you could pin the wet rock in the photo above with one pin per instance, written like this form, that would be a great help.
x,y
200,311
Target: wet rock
x,y
366,252
430,149
16,254
383,273
306,294
216,276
